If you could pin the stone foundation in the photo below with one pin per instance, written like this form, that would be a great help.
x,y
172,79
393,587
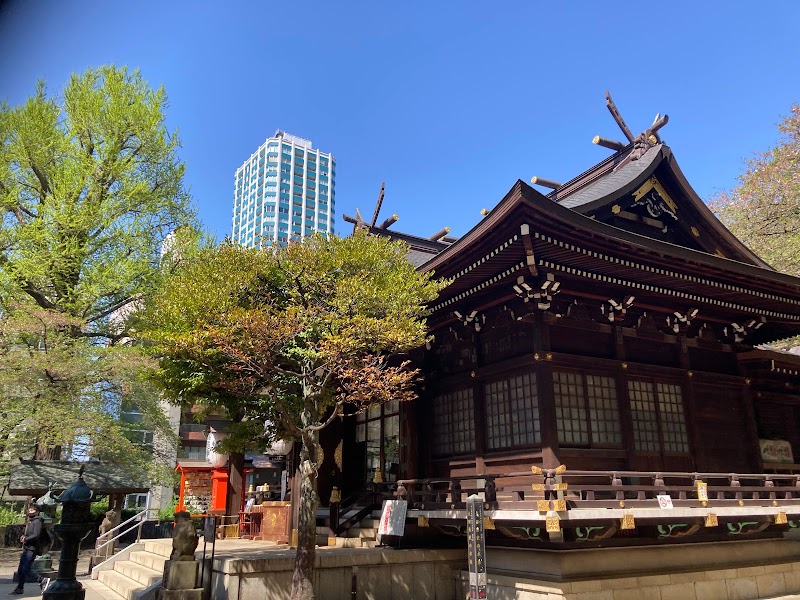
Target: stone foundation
x,y
745,570
380,574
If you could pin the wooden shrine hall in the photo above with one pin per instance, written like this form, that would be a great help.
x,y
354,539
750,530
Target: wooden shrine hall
x,y
602,346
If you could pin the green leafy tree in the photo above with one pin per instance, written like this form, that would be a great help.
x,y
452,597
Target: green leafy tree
x,y
90,187
285,339
764,209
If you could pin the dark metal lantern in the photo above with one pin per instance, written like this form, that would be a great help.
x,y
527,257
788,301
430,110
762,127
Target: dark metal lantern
x,y
76,523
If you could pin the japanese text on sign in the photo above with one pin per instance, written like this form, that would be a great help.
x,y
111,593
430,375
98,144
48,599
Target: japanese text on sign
x,y
476,545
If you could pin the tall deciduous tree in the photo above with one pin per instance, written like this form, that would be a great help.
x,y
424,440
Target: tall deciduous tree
x,y
764,209
289,337
90,187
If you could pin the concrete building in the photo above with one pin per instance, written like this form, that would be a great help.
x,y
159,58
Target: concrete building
x,y
284,191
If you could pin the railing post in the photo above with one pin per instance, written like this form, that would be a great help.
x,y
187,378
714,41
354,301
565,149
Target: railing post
x,y
333,514
401,492
428,492
736,484
768,483
455,491
617,482
490,490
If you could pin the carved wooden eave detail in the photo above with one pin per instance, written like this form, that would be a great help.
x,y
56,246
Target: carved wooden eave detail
x,y
585,256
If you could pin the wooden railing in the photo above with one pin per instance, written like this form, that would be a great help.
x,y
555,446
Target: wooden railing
x,y
601,489
363,503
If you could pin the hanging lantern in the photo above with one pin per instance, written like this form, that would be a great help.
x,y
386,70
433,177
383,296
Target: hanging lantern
x,y
214,458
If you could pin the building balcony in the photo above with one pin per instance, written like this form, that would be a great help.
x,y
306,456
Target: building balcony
x,y
577,506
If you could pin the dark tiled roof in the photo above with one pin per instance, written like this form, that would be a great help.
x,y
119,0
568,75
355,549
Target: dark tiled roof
x,y
33,477
420,250
419,257
613,181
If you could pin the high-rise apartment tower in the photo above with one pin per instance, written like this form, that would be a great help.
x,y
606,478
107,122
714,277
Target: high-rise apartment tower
x,y
284,191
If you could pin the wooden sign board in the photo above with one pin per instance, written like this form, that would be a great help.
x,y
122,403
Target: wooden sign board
x,y
476,549
702,491
393,518
274,521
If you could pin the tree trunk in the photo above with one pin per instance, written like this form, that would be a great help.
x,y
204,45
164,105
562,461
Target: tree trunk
x,y
303,577
236,489
45,453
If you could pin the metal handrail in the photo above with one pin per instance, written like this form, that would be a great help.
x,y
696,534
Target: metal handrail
x,y
140,516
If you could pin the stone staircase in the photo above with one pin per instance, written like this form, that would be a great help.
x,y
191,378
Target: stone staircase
x,y
362,535
135,572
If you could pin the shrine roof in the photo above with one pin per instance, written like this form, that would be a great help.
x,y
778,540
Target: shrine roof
x,y
527,234
608,182
420,250
34,477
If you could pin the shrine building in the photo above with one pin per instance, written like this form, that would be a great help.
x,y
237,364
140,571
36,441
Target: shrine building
x,y
599,372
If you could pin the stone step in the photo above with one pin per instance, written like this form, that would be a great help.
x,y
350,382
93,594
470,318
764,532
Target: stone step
x,y
354,542
119,583
138,572
148,560
353,532
95,589
360,532
160,547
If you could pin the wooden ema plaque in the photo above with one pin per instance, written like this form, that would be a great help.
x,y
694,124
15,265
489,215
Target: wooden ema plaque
x,y
275,520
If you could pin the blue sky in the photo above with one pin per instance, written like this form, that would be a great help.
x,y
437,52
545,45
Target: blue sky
x,y
448,102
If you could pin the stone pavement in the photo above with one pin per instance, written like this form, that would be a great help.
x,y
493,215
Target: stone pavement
x,y
9,560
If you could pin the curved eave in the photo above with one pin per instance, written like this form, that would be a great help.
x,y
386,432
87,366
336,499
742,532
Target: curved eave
x,y
497,216
642,170
711,219
549,212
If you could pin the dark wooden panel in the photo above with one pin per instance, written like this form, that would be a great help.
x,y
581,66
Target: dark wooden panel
x,y
720,421
642,350
713,361
573,340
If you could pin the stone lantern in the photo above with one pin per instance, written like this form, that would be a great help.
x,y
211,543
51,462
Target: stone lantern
x,y
76,523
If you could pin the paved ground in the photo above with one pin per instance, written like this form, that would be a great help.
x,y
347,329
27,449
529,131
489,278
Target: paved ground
x,y
9,560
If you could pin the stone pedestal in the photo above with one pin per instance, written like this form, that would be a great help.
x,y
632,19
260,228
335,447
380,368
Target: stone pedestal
x,y
180,581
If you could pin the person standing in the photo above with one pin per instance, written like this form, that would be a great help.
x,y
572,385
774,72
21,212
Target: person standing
x,y
32,542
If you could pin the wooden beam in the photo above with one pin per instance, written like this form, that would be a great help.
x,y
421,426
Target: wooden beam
x,y
612,108
389,222
439,234
639,219
607,143
548,183
378,205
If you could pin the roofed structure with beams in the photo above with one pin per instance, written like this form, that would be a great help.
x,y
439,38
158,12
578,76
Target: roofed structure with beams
x,y
603,337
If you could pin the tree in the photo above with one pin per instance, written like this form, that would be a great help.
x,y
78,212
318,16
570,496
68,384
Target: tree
x,y
90,187
285,339
764,209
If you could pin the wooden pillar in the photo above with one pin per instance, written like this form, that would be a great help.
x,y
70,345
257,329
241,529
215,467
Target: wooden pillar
x,y
547,415
479,413
626,418
751,426
409,439
180,505
236,490
696,449
544,385
696,452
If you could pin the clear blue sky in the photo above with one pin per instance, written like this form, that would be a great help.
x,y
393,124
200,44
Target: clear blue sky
x,y
448,102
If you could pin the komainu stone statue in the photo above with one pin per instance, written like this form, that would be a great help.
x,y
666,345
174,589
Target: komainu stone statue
x,y
184,537
109,522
